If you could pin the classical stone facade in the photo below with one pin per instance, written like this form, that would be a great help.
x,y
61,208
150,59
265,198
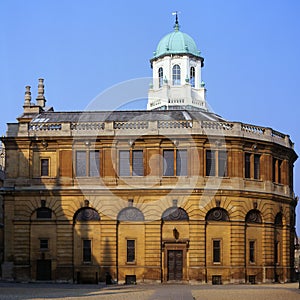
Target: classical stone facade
x,y
147,196
2,177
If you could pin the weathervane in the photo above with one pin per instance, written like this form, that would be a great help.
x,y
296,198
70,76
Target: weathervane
x,y
176,13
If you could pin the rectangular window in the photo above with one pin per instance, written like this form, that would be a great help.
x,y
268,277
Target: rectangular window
x,y
256,166
274,169
181,163
81,163
168,162
124,163
137,163
210,163
131,163
279,170
87,250
44,244
44,167
247,165
252,251
216,251
130,251
222,163
94,163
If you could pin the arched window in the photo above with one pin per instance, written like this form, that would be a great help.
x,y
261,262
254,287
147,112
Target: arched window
x,y
176,75
217,214
253,216
130,214
175,214
86,214
160,77
278,220
192,76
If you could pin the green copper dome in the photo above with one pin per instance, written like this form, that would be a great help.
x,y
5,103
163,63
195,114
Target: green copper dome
x,y
176,42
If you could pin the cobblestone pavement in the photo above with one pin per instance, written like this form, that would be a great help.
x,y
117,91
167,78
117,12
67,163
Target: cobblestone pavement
x,y
37,291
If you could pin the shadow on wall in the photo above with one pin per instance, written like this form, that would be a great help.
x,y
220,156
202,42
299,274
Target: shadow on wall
x,y
57,236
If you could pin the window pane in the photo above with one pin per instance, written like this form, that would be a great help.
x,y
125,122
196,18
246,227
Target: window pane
x,y
279,170
256,166
251,251
181,163
216,251
45,167
80,163
124,167
274,170
192,76
137,163
87,251
130,250
168,162
94,163
222,171
160,76
44,244
210,163
176,75
247,165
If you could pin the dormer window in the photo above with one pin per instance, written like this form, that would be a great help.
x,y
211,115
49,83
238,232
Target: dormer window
x,y
160,77
176,75
192,76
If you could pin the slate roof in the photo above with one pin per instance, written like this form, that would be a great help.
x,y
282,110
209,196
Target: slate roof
x,y
132,115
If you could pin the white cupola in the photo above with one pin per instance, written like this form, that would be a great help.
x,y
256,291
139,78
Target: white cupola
x,y
177,82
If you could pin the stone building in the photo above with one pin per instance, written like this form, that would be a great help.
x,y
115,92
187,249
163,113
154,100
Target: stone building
x,y
2,177
172,193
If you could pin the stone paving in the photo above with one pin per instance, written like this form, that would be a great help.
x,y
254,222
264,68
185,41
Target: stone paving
x,y
38,291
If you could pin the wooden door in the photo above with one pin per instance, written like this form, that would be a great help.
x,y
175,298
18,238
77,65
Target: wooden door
x,y
43,271
175,263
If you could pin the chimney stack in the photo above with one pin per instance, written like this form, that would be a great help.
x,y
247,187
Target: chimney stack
x,y
27,101
40,100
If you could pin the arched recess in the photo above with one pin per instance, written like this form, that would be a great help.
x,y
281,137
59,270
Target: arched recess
x,y
217,242
253,246
131,241
86,214
175,243
43,213
253,216
217,214
130,214
87,245
43,250
175,214
278,220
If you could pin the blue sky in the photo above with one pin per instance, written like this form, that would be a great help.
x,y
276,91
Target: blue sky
x,y
82,47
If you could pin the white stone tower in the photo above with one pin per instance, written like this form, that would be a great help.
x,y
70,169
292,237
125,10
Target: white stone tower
x,y
177,82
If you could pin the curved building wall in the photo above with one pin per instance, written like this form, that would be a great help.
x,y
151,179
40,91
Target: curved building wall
x,y
181,200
